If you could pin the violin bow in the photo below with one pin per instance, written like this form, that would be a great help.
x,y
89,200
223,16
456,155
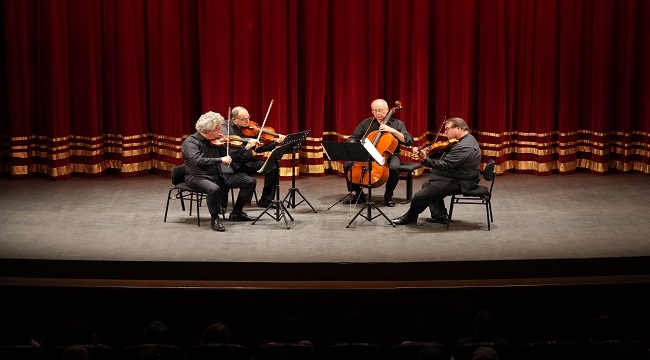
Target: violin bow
x,y
264,122
228,139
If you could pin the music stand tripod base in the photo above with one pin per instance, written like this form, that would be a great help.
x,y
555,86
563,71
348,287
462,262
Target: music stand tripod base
x,y
356,152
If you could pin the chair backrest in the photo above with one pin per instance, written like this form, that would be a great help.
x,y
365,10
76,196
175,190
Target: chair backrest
x,y
219,351
410,351
550,350
616,349
178,174
154,351
284,351
488,173
19,352
354,351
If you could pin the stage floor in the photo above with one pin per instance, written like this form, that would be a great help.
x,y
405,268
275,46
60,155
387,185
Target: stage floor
x,y
547,229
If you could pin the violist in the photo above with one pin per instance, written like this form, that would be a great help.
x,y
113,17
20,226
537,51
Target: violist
x,y
456,171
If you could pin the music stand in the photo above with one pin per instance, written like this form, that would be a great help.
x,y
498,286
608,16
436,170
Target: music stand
x,y
290,198
349,151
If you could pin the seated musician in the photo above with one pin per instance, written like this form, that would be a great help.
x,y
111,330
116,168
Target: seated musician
x,y
396,128
208,171
239,121
456,171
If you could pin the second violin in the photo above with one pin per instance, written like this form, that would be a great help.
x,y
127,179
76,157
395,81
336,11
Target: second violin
x,y
253,130
433,148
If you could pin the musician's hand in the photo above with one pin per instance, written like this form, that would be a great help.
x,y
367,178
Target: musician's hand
x,y
280,139
226,160
386,128
252,143
422,154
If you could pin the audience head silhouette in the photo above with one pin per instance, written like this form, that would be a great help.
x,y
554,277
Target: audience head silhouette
x,y
156,333
216,333
485,353
431,352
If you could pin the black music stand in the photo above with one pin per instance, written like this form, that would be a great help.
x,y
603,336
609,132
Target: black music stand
x,y
350,151
275,157
290,198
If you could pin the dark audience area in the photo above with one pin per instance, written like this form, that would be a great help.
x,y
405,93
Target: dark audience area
x,y
608,321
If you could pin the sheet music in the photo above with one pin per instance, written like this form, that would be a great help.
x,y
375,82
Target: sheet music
x,y
370,148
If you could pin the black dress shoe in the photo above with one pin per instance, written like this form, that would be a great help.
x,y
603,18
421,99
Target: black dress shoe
x,y
358,198
404,220
388,200
242,216
438,219
266,204
217,225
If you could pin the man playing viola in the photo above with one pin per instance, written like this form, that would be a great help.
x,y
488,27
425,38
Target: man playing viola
x,y
456,171
393,126
239,122
208,169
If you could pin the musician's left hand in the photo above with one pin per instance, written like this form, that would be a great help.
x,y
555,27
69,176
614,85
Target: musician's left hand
x,y
386,128
280,139
252,143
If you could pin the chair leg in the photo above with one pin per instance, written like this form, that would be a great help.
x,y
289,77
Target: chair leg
x,y
451,209
199,198
169,196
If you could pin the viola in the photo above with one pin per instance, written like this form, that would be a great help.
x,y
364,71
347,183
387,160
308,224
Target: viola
x,y
435,147
386,144
233,140
253,130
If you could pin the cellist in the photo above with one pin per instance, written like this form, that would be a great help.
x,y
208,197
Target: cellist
x,y
394,127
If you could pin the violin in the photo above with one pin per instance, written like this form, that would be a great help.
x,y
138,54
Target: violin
x,y
433,148
253,130
233,140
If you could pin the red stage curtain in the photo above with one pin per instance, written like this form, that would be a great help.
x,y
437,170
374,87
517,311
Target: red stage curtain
x,y
102,86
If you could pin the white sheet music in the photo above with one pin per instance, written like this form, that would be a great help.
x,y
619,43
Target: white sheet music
x,y
370,148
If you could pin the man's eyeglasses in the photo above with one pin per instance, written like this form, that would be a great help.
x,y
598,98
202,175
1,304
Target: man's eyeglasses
x,y
449,127
246,118
377,111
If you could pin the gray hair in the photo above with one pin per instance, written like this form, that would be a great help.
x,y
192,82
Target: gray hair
x,y
458,122
209,121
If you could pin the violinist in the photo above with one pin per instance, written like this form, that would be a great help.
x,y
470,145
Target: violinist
x,y
208,169
395,127
240,126
456,171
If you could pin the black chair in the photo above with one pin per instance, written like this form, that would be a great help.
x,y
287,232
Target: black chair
x,y
284,351
481,195
616,350
154,351
219,352
550,350
410,351
406,170
183,192
354,351
23,352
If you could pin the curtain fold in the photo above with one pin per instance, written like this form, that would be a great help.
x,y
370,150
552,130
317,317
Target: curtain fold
x,y
114,86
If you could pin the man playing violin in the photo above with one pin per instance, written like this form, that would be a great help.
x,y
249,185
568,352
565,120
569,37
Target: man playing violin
x,y
208,169
237,126
396,127
456,171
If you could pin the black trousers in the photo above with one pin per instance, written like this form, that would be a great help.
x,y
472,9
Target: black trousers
x,y
215,187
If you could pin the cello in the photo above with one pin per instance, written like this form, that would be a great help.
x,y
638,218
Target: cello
x,y
386,144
